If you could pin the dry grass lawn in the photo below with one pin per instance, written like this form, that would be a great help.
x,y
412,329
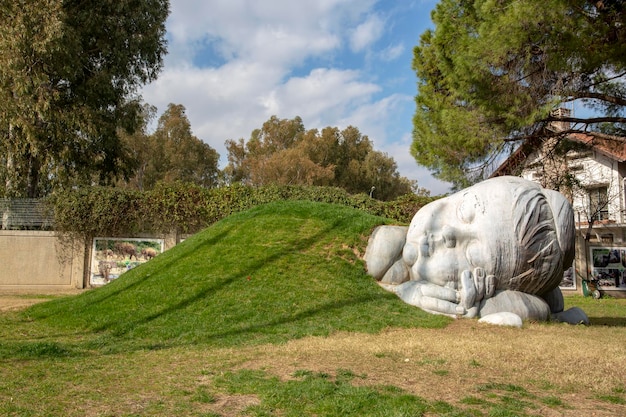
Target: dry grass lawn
x,y
575,365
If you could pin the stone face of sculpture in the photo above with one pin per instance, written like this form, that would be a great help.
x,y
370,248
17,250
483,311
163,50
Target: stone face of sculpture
x,y
498,246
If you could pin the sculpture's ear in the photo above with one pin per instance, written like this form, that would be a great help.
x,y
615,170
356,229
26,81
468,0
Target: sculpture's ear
x,y
563,215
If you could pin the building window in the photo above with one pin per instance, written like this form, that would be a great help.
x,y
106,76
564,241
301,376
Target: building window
x,y
607,238
598,203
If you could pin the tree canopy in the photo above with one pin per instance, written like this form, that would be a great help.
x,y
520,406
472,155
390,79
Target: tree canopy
x,y
69,72
284,152
492,73
172,153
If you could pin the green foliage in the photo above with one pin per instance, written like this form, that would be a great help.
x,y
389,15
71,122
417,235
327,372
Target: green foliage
x,y
170,154
483,90
404,207
177,206
93,211
188,208
69,72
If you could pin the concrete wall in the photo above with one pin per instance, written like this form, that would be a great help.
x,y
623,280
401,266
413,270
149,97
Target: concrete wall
x,y
38,261
33,261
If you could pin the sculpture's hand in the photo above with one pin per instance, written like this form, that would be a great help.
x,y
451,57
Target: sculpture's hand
x,y
430,297
433,298
474,288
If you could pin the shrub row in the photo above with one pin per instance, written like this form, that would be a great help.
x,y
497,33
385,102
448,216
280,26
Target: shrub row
x,y
188,208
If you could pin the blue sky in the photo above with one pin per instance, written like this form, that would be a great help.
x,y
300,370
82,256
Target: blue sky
x,y
235,63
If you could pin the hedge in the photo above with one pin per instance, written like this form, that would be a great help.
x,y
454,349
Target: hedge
x,y
188,208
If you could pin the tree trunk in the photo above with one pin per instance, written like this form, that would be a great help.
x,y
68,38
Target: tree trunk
x,y
34,172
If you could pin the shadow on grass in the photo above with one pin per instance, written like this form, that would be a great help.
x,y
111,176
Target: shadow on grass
x,y
273,331
81,304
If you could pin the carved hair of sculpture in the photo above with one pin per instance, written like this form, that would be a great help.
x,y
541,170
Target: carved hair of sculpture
x,y
544,226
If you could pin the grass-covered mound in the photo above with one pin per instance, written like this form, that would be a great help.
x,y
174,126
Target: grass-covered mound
x,y
279,271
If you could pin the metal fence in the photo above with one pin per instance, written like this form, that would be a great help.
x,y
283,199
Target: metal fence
x,y
24,214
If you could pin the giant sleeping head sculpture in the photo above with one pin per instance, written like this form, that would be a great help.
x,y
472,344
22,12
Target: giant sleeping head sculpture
x,y
505,235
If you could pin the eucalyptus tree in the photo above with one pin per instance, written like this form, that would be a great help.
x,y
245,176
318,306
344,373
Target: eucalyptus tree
x,y
183,156
277,153
172,153
283,152
491,74
69,75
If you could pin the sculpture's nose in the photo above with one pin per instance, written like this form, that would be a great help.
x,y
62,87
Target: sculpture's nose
x,y
424,248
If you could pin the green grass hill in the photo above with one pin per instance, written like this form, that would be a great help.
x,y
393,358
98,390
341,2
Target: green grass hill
x,y
276,272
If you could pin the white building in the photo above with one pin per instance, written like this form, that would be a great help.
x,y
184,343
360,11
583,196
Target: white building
x,y
591,172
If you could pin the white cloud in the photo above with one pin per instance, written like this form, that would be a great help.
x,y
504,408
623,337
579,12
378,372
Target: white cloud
x,y
392,52
231,101
400,150
258,44
366,33
283,30
235,63
324,94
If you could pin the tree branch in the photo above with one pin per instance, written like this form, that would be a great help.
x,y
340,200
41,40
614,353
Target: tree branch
x,y
621,101
587,121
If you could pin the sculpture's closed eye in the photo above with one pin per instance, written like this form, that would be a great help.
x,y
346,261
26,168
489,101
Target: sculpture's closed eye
x,y
467,209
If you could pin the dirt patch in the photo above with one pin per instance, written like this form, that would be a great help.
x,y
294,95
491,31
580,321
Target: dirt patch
x,y
233,405
8,303
19,301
